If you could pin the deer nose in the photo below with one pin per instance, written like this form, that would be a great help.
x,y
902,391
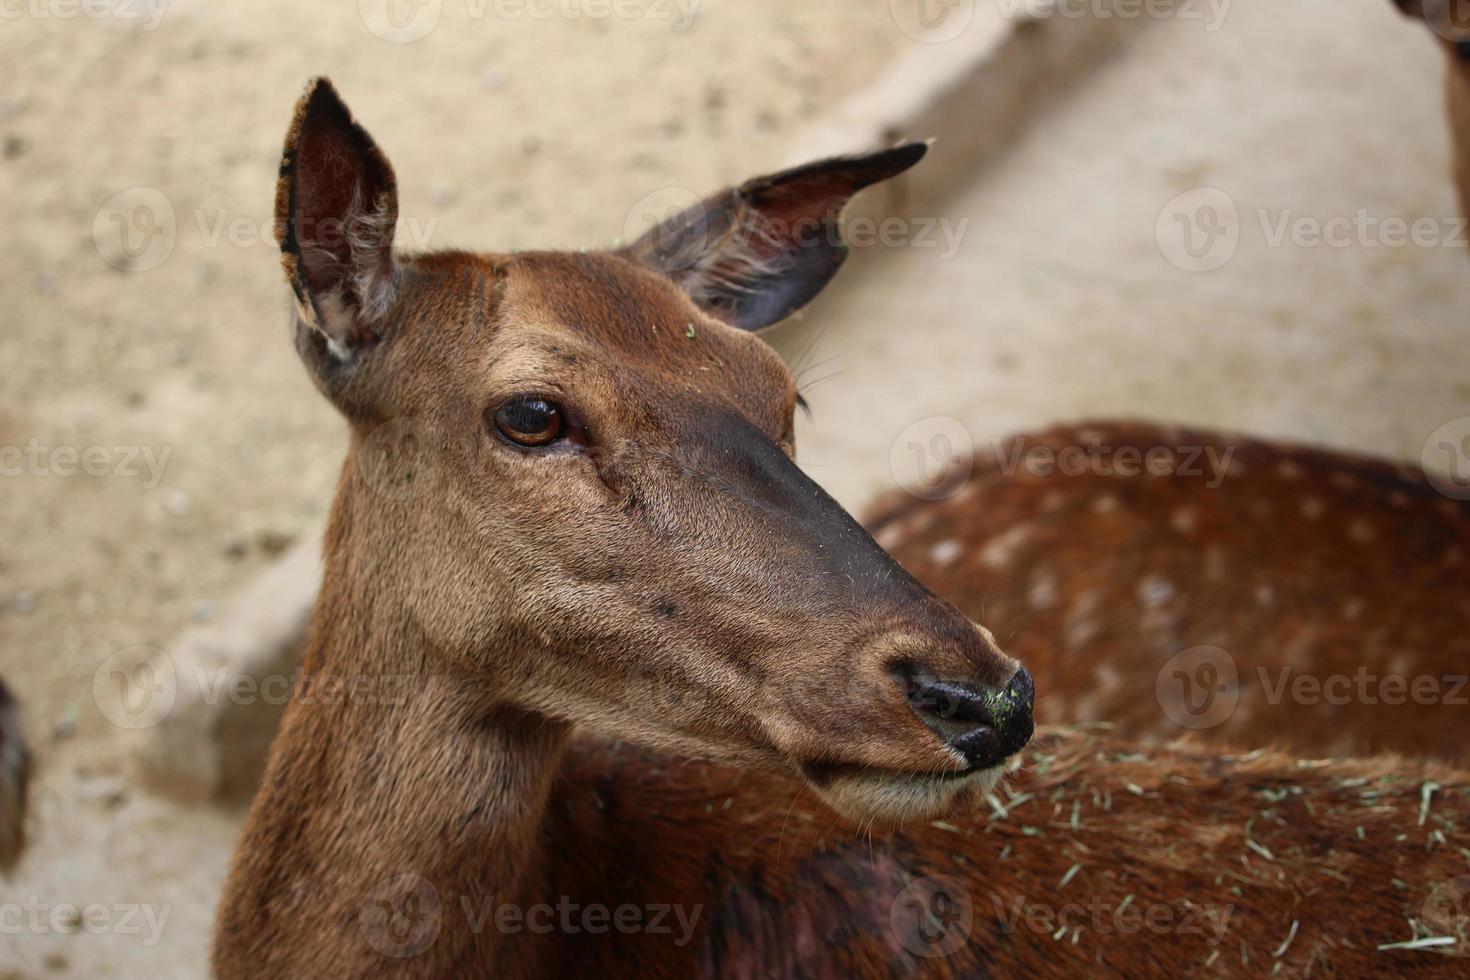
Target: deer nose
x,y
985,724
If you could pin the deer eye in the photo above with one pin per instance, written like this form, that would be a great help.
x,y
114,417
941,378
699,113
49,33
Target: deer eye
x,y
530,421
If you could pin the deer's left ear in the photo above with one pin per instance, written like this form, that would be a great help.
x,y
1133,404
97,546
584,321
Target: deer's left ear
x,y
336,210
754,254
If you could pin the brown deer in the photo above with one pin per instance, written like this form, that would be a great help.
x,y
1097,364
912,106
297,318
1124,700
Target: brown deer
x,y
15,772
570,500
1173,582
1450,22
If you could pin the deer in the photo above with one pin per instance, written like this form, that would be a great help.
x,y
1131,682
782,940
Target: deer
x,y
15,772
1176,582
599,682
1450,22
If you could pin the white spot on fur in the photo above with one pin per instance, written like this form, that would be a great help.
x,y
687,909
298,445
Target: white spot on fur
x,y
1265,595
1154,591
1108,678
999,553
945,552
1313,508
1353,609
1288,470
1105,504
1081,624
1043,592
1361,532
1184,519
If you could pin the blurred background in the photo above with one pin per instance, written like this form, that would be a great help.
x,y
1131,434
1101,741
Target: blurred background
x,y
1177,211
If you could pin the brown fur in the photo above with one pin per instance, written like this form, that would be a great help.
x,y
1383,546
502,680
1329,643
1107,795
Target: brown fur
x,y
666,576
15,772
777,887
1314,563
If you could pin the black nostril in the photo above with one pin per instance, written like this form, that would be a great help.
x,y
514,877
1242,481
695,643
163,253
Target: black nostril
x,y
984,724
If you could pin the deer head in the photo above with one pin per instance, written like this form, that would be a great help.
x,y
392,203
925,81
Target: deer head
x,y
571,481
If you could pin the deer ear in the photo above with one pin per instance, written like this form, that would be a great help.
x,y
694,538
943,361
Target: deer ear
x,y
336,209
755,254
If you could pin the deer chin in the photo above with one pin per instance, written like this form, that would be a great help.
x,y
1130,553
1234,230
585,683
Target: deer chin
x,y
893,799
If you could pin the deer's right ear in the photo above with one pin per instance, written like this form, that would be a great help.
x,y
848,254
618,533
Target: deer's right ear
x,y
755,254
336,209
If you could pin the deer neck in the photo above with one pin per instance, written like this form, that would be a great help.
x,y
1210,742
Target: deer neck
x,y
395,774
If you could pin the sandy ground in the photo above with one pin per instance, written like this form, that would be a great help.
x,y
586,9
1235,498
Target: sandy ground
x,y
1058,301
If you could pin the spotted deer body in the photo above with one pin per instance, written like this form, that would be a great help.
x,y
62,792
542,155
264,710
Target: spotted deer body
x,y
595,641
1311,591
